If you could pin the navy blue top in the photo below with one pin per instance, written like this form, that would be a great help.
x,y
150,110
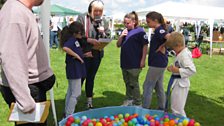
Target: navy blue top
x,y
131,48
74,68
157,59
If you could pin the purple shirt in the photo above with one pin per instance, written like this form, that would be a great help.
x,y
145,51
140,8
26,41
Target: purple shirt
x,y
74,68
131,48
157,59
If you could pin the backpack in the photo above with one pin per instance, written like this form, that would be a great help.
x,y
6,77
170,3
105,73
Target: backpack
x,y
196,53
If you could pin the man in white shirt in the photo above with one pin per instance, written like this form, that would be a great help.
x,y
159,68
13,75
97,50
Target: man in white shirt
x,y
54,31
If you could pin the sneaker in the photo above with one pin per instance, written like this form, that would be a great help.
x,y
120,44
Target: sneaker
x,y
138,105
127,103
89,106
89,102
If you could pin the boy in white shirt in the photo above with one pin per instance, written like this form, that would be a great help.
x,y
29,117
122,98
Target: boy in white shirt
x,y
182,69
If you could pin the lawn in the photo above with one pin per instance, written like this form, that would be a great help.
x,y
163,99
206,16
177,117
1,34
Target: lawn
x,y
205,102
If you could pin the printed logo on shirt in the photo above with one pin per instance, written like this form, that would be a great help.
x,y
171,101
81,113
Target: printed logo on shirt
x,y
177,64
162,31
145,36
77,44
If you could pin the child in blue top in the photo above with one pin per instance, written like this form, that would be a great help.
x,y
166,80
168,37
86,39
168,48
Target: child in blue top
x,y
75,67
157,61
133,42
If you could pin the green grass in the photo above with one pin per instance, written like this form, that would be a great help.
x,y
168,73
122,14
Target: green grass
x,y
205,102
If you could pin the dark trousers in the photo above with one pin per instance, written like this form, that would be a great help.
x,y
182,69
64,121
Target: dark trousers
x,y
38,92
92,65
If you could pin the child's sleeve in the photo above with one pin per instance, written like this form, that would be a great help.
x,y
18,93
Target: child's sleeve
x,y
187,67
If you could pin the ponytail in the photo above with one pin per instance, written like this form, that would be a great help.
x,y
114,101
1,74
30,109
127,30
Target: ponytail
x,y
157,16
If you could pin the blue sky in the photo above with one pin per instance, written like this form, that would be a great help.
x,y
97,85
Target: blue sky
x,y
125,6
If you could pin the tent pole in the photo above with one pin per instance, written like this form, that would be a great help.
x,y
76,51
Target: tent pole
x,y
45,19
211,22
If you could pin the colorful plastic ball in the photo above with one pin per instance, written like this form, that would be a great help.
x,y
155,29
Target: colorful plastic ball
x,y
112,117
125,124
130,123
191,122
77,121
122,120
71,119
99,124
115,124
185,122
117,120
135,115
197,124
134,120
68,123
84,118
166,119
108,119
166,124
120,116
157,118
157,123
73,124
90,124
126,115
172,122
180,124
166,116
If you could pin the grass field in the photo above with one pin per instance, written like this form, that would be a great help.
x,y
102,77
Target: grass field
x,y
205,102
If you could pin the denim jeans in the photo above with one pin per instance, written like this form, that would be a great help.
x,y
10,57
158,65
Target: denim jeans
x,y
53,38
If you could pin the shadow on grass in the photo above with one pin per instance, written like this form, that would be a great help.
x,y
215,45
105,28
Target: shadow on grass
x,y
211,111
205,110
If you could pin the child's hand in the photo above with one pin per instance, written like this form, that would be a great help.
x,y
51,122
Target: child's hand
x,y
173,69
93,41
79,58
88,54
161,49
101,29
169,68
124,32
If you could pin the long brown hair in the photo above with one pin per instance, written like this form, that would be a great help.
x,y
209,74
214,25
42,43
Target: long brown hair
x,y
157,16
68,31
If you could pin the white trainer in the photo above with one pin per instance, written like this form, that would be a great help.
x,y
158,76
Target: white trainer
x,y
127,103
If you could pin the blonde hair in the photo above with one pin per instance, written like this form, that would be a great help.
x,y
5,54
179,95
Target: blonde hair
x,y
175,39
96,5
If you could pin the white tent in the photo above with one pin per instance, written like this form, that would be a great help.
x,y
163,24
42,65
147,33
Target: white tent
x,y
187,11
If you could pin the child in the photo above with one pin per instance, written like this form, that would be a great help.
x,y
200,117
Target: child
x,y
157,61
75,67
133,42
182,69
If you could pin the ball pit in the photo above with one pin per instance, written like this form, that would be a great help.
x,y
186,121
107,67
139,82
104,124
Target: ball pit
x,y
126,116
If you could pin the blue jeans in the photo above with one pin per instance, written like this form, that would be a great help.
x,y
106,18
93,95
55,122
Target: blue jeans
x,y
53,38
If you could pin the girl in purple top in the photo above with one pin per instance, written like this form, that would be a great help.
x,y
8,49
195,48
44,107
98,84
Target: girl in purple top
x,y
133,42
157,61
75,67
